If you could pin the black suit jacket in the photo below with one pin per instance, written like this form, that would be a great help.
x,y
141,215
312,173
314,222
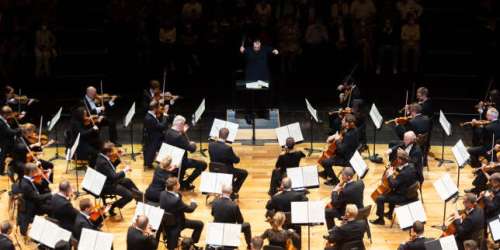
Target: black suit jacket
x,y
154,129
106,168
427,109
179,140
406,177
349,144
416,157
6,243
352,194
282,201
32,199
82,222
137,240
224,210
420,124
417,244
492,207
176,206
470,225
146,99
222,153
350,231
7,134
490,130
157,184
63,211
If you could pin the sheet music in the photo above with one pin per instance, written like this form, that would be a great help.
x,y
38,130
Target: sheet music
x,y
257,85
316,212
291,130
310,176
93,181
211,183
231,126
417,211
174,152
448,243
95,240
445,124
460,153
376,117
312,111
47,232
445,187
358,164
199,111
410,213
129,116
74,147
300,212
154,214
308,212
215,233
295,175
55,119
231,235
495,229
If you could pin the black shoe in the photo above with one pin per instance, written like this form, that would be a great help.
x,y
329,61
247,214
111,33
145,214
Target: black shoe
x,y
322,174
187,187
363,148
388,216
472,190
378,221
331,182
234,196
112,212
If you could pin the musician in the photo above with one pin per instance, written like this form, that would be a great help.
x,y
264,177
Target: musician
x,y
33,202
116,182
225,210
347,143
160,176
350,230
400,176
348,191
177,136
90,142
100,108
348,91
221,152
417,238
7,136
61,208
425,102
473,222
470,245
492,101
491,197
171,202
278,236
490,132
257,243
256,59
14,100
154,92
154,132
140,235
289,158
5,241
83,219
282,201
356,108
409,144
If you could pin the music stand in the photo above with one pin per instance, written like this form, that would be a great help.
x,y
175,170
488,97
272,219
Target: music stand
x,y
445,132
128,122
52,124
196,117
313,113
377,120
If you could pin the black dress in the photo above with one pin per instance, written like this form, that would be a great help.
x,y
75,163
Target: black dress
x,y
257,67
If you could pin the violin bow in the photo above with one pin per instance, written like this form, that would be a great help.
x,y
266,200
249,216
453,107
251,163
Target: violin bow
x,y
492,147
490,84
406,104
102,95
164,84
19,102
40,130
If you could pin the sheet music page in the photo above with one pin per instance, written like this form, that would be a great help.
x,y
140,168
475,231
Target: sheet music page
x,y
417,211
460,153
172,151
300,212
215,233
155,215
448,243
404,216
310,176
358,164
105,241
53,234
312,111
129,116
93,181
376,117
223,180
463,150
445,124
233,130
37,228
252,85
207,182
74,147
231,235
449,185
295,132
55,119
216,126
88,239
199,111
495,229
441,189
295,175
139,209
316,211
282,133
263,84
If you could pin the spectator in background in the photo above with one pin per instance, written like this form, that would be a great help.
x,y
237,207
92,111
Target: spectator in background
x,y
189,40
363,10
339,9
289,44
388,39
363,37
44,51
192,11
316,38
410,42
409,7
167,38
263,13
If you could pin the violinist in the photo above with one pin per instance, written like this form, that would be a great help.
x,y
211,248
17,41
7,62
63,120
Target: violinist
x,y
492,100
61,208
140,235
425,102
348,92
348,191
346,143
6,242
90,141
86,218
350,230
470,223
14,100
289,158
154,93
356,109
491,198
489,166
409,144
417,239
489,132
160,176
401,175
154,133
96,105
7,136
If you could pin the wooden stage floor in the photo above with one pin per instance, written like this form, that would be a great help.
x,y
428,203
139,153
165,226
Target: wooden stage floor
x,y
259,161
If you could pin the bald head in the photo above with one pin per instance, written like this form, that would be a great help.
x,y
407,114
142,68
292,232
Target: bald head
x,y
286,183
142,222
409,137
6,110
227,189
91,91
179,122
223,133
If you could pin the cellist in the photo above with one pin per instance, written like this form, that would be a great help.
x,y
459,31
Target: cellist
x,y
345,143
467,224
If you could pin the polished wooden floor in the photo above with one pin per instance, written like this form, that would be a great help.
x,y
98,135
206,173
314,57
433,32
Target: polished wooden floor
x,y
259,161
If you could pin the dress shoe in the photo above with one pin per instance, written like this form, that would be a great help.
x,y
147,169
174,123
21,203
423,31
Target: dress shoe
x,y
322,174
388,216
378,221
331,182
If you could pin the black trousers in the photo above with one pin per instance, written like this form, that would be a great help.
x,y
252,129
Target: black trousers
x,y
390,198
474,153
330,215
111,124
239,177
329,163
173,233
149,152
276,177
199,167
126,189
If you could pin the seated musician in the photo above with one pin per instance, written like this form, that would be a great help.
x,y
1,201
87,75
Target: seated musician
x,y
350,230
483,173
489,131
348,191
257,243
409,144
470,223
278,236
222,152
61,208
90,142
347,143
289,158
154,132
5,242
96,106
86,218
160,176
140,235
482,107
417,238
177,136
491,198
7,136
116,182
400,176
282,200
33,201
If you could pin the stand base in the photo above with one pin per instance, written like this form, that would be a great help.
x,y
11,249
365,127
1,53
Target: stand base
x,y
439,227
202,152
443,161
376,159
132,155
56,157
312,151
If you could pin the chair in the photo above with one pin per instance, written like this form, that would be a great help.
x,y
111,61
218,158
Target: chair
x,y
270,247
353,245
363,214
411,196
104,198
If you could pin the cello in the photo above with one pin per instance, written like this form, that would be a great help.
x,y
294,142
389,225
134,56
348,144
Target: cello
x,y
384,187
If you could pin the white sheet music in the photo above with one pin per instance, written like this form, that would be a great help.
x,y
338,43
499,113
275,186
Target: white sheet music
x,y
445,124
291,130
231,126
295,175
55,119
300,212
410,213
376,117
211,183
358,164
303,177
154,214
445,187
129,116
199,111
495,228
47,233
95,240
460,153
93,181
215,233
312,111
74,147
257,85
448,243
308,212
174,152
223,234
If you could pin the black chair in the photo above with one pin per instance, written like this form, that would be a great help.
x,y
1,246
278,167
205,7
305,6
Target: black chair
x,y
363,214
270,247
353,245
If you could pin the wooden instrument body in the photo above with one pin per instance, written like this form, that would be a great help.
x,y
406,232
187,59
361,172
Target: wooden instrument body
x,y
383,187
451,228
329,151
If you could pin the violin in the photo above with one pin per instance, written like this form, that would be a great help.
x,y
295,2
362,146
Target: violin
x,y
34,138
90,120
342,186
341,111
104,97
40,176
116,153
97,213
399,120
475,123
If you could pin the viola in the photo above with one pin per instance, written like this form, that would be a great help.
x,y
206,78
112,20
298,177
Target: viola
x,y
116,153
475,123
399,120
451,229
90,120
342,111
105,97
34,138
384,187
96,213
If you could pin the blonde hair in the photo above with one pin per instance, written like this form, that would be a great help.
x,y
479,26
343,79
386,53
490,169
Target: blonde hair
x,y
278,220
351,210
